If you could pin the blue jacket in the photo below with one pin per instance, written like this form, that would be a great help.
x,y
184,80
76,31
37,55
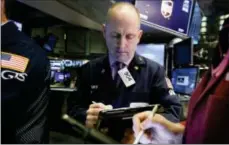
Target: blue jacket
x,y
96,84
25,84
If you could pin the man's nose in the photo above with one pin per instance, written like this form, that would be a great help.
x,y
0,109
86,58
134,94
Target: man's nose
x,y
122,42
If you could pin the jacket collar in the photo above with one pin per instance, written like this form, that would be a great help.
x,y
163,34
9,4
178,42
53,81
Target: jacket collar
x,y
136,61
9,32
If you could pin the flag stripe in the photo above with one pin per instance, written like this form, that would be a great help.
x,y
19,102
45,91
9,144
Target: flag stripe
x,y
15,62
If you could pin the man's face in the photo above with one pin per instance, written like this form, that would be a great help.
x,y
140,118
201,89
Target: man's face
x,y
122,35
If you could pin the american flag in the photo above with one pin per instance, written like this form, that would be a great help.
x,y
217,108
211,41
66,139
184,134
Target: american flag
x,y
14,62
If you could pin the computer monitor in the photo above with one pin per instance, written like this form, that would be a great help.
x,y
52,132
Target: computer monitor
x,y
184,80
183,53
73,63
61,76
56,65
155,52
171,16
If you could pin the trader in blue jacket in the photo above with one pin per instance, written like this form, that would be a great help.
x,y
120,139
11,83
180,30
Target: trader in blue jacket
x,y
139,82
24,85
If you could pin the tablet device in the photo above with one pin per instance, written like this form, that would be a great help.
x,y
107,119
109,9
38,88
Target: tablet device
x,y
108,117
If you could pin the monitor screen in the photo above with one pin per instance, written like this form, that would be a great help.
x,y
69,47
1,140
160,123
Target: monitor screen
x,y
62,64
73,63
184,80
56,65
61,77
155,52
67,75
183,53
166,15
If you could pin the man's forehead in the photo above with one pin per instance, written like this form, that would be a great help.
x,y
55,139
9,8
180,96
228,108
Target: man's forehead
x,y
123,27
121,30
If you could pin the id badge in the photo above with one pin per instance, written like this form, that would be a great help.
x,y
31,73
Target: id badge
x,y
126,77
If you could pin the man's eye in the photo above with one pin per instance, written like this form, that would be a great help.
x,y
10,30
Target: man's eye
x,y
115,35
130,36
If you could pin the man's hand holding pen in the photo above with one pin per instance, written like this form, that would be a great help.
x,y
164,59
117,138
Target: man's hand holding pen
x,y
93,113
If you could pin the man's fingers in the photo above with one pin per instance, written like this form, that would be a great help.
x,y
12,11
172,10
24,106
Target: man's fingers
x,y
143,115
137,120
94,111
136,124
97,105
90,124
140,117
91,121
148,123
92,118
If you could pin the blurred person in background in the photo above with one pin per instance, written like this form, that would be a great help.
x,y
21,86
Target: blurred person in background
x,y
25,74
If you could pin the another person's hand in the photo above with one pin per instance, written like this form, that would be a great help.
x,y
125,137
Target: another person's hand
x,y
93,112
141,121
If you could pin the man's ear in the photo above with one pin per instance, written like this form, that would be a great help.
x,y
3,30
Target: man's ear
x,y
104,30
140,33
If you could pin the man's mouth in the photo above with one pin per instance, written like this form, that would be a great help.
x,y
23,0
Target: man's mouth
x,y
120,52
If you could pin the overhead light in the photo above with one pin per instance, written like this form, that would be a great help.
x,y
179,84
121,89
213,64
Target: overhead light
x,y
226,16
203,24
221,17
203,30
204,18
220,27
221,22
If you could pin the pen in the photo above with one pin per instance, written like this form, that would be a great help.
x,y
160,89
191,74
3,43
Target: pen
x,y
142,132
